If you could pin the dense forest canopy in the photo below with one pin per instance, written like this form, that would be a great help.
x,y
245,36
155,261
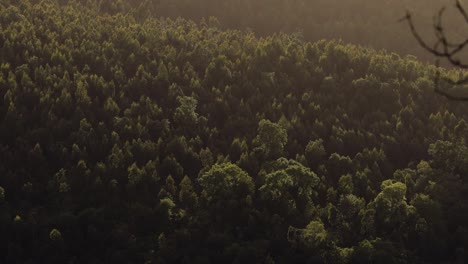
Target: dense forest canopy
x,y
129,138
370,23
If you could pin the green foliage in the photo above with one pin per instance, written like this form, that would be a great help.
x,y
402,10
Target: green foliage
x,y
226,181
345,184
315,152
187,195
2,194
152,140
185,115
312,237
271,139
55,235
289,185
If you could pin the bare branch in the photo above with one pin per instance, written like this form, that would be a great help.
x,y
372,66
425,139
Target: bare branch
x,y
449,50
443,48
461,10
449,96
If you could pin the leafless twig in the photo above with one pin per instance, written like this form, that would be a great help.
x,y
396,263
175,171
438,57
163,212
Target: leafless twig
x,y
443,48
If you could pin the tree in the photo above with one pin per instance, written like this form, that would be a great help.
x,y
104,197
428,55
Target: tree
x,y
226,181
130,127
312,237
392,212
270,140
226,197
187,196
345,184
315,152
338,165
185,116
288,186
55,235
2,194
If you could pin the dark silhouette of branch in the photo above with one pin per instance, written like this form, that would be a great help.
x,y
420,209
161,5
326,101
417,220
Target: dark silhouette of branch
x,y
443,48
461,10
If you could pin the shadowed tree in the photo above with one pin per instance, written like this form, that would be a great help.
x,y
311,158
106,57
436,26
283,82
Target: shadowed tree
x,y
2,194
226,181
227,193
288,186
271,139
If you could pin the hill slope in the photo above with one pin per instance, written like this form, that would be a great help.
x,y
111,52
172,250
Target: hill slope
x,y
365,22
125,141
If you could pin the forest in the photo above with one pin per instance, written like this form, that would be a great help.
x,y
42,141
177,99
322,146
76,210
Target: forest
x,y
132,132
373,24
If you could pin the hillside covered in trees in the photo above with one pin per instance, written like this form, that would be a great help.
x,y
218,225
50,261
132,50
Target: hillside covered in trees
x,y
370,23
127,138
